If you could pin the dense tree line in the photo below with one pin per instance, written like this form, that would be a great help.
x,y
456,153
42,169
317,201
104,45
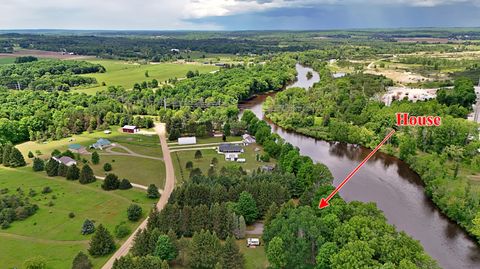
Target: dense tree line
x,y
47,75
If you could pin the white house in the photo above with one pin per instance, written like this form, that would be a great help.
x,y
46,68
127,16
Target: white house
x,y
191,140
231,157
65,160
248,139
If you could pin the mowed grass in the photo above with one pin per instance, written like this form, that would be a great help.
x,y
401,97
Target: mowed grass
x,y
50,232
180,159
125,74
7,60
137,170
255,258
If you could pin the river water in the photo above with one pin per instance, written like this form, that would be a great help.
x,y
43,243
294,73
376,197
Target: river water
x,y
390,183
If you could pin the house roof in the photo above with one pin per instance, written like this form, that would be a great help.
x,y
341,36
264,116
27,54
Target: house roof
x,y
229,148
65,160
75,146
102,142
130,127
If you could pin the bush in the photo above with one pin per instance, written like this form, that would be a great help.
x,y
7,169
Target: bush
x,y
35,263
30,155
121,230
189,165
198,154
95,158
107,167
88,227
152,192
134,212
71,215
46,190
81,261
111,182
38,165
125,184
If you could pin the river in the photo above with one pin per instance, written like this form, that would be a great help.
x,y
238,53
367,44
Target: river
x,y
390,183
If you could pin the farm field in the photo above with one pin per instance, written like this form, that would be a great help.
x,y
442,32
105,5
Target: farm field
x,y
50,232
125,74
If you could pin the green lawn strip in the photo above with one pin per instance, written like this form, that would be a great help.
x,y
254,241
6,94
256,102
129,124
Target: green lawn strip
x,y
51,226
121,73
138,170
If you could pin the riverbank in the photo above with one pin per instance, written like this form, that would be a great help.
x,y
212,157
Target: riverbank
x,y
398,191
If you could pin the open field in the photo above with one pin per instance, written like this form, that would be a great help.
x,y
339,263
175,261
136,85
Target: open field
x,y
134,168
125,74
50,232
255,258
7,60
180,158
137,170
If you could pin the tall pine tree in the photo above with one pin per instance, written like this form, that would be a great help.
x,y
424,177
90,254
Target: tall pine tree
x,y
102,242
86,175
16,158
231,256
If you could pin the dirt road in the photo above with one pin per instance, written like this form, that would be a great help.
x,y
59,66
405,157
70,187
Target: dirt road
x,y
169,185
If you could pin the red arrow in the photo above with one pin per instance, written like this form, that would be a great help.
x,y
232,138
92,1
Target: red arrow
x,y
324,201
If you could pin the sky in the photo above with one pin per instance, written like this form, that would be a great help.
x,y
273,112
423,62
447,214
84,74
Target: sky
x,y
236,14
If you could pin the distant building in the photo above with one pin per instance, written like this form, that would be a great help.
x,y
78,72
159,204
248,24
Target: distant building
x,y
101,144
248,139
241,160
232,157
191,140
77,148
230,148
65,160
175,51
131,129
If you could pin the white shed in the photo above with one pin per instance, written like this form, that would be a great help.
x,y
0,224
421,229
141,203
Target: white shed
x,y
191,140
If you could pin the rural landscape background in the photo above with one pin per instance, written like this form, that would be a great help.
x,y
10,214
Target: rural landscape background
x,y
204,134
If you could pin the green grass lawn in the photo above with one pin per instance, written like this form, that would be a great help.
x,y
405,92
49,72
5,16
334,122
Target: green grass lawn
x,y
255,258
138,170
180,158
50,232
7,60
121,73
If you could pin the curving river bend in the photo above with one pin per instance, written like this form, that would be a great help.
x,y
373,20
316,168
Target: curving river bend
x,y
390,183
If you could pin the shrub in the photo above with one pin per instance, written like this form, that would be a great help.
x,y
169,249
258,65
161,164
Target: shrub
x,y
46,190
152,192
30,154
107,167
111,182
88,227
189,165
125,184
198,154
121,230
95,158
71,215
134,212
35,263
38,165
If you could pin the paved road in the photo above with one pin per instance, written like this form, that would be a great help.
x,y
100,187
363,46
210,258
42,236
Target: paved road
x,y
169,185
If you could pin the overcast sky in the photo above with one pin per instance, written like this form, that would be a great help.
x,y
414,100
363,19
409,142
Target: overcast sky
x,y
236,14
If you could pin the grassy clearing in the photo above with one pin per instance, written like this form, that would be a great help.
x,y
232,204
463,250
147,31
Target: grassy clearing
x,y
180,159
50,232
138,170
255,258
120,73
7,60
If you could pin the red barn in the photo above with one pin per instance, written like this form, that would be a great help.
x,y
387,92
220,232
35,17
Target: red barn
x,y
130,129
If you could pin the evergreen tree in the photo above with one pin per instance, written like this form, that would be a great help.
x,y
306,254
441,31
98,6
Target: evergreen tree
x,y
30,155
152,192
189,165
204,251
88,227
7,149
271,213
73,173
247,207
107,167
242,227
111,182
81,261
134,212
198,154
231,256
62,170
86,175
125,184
185,221
95,158
38,165
1,152
51,168
165,249
102,242
276,253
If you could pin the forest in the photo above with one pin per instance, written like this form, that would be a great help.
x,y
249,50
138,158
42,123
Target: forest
x,y
46,75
